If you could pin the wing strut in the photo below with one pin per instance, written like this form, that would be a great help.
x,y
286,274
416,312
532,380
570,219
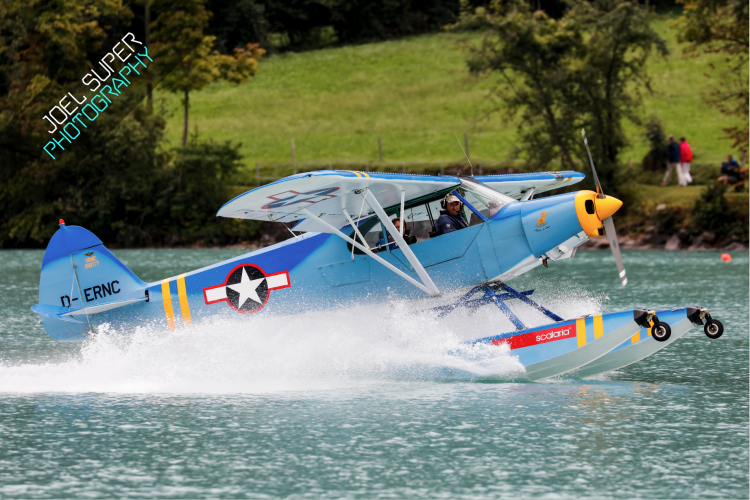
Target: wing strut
x,y
413,260
401,213
356,229
374,256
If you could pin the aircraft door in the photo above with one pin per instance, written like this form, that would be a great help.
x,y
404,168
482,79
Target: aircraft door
x,y
487,253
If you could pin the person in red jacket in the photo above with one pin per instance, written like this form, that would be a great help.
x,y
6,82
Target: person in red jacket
x,y
686,157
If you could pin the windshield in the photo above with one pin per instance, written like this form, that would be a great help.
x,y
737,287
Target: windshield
x,y
485,199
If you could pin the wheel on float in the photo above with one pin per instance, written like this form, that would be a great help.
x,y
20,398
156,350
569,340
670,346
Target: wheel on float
x,y
661,332
713,328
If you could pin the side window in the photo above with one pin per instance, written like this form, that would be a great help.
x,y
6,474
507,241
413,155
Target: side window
x,y
418,224
486,200
372,230
420,219
472,217
374,233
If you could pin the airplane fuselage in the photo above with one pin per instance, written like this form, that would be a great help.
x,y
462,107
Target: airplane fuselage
x,y
315,271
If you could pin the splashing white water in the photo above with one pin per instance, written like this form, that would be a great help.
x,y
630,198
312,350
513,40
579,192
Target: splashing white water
x,y
321,350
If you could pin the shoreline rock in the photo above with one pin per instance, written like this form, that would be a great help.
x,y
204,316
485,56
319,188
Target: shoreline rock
x,y
652,241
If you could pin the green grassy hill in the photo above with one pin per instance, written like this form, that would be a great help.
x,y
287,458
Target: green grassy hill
x,y
413,93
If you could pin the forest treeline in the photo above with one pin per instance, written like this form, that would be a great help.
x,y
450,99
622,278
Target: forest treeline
x,y
310,24
111,171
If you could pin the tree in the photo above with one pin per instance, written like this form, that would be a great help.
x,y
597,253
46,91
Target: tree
x,y
45,47
199,181
115,179
721,27
236,23
583,70
361,20
179,30
657,156
713,212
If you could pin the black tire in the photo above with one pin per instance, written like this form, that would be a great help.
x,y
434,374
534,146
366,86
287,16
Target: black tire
x,y
661,332
713,328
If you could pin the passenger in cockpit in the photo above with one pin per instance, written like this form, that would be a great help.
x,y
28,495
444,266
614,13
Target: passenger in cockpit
x,y
410,240
450,219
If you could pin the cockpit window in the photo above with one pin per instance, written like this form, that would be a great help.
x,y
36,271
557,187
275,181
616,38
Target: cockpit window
x,y
485,199
420,216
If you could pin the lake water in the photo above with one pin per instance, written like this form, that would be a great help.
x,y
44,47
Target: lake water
x,y
358,403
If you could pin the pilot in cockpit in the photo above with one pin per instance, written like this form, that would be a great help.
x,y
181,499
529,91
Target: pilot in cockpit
x,y
450,219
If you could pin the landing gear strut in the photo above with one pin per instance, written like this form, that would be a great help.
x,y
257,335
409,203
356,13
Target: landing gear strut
x,y
492,295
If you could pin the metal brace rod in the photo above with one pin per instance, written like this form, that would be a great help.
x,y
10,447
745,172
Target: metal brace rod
x,y
401,213
473,304
528,194
465,302
369,252
518,295
447,309
490,294
413,260
469,206
356,229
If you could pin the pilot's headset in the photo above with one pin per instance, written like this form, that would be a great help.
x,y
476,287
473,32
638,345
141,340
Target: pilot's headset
x,y
450,198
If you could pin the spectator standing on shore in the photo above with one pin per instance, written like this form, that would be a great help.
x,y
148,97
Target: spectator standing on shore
x,y
686,157
674,160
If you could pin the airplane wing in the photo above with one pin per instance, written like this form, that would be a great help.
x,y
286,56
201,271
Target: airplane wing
x,y
516,185
327,193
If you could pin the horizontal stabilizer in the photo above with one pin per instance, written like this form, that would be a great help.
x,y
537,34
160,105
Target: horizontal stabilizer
x,y
516,185
55,312
63,313
104,307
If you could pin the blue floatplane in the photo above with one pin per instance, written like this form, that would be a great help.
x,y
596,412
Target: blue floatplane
x,y
366,237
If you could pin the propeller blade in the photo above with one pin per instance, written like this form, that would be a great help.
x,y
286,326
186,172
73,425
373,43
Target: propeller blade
x,y
609,230
609,225
599,190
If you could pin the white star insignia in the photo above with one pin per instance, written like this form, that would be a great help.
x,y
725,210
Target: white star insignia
x,y
247,288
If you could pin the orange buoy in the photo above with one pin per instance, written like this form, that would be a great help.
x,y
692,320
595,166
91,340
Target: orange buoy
x,y
726,257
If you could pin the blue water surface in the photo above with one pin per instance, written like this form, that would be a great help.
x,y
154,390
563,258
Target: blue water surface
x,y
340,405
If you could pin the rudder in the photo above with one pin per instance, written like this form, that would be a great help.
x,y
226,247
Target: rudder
x,y
80,274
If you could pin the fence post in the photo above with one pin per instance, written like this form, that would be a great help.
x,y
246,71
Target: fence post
x,y
294,160
442,169
257,173
403,167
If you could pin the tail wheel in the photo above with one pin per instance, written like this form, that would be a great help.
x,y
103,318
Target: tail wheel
x,y
713,328
661,331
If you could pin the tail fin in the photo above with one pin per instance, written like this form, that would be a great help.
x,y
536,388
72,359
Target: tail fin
x,y
81,277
